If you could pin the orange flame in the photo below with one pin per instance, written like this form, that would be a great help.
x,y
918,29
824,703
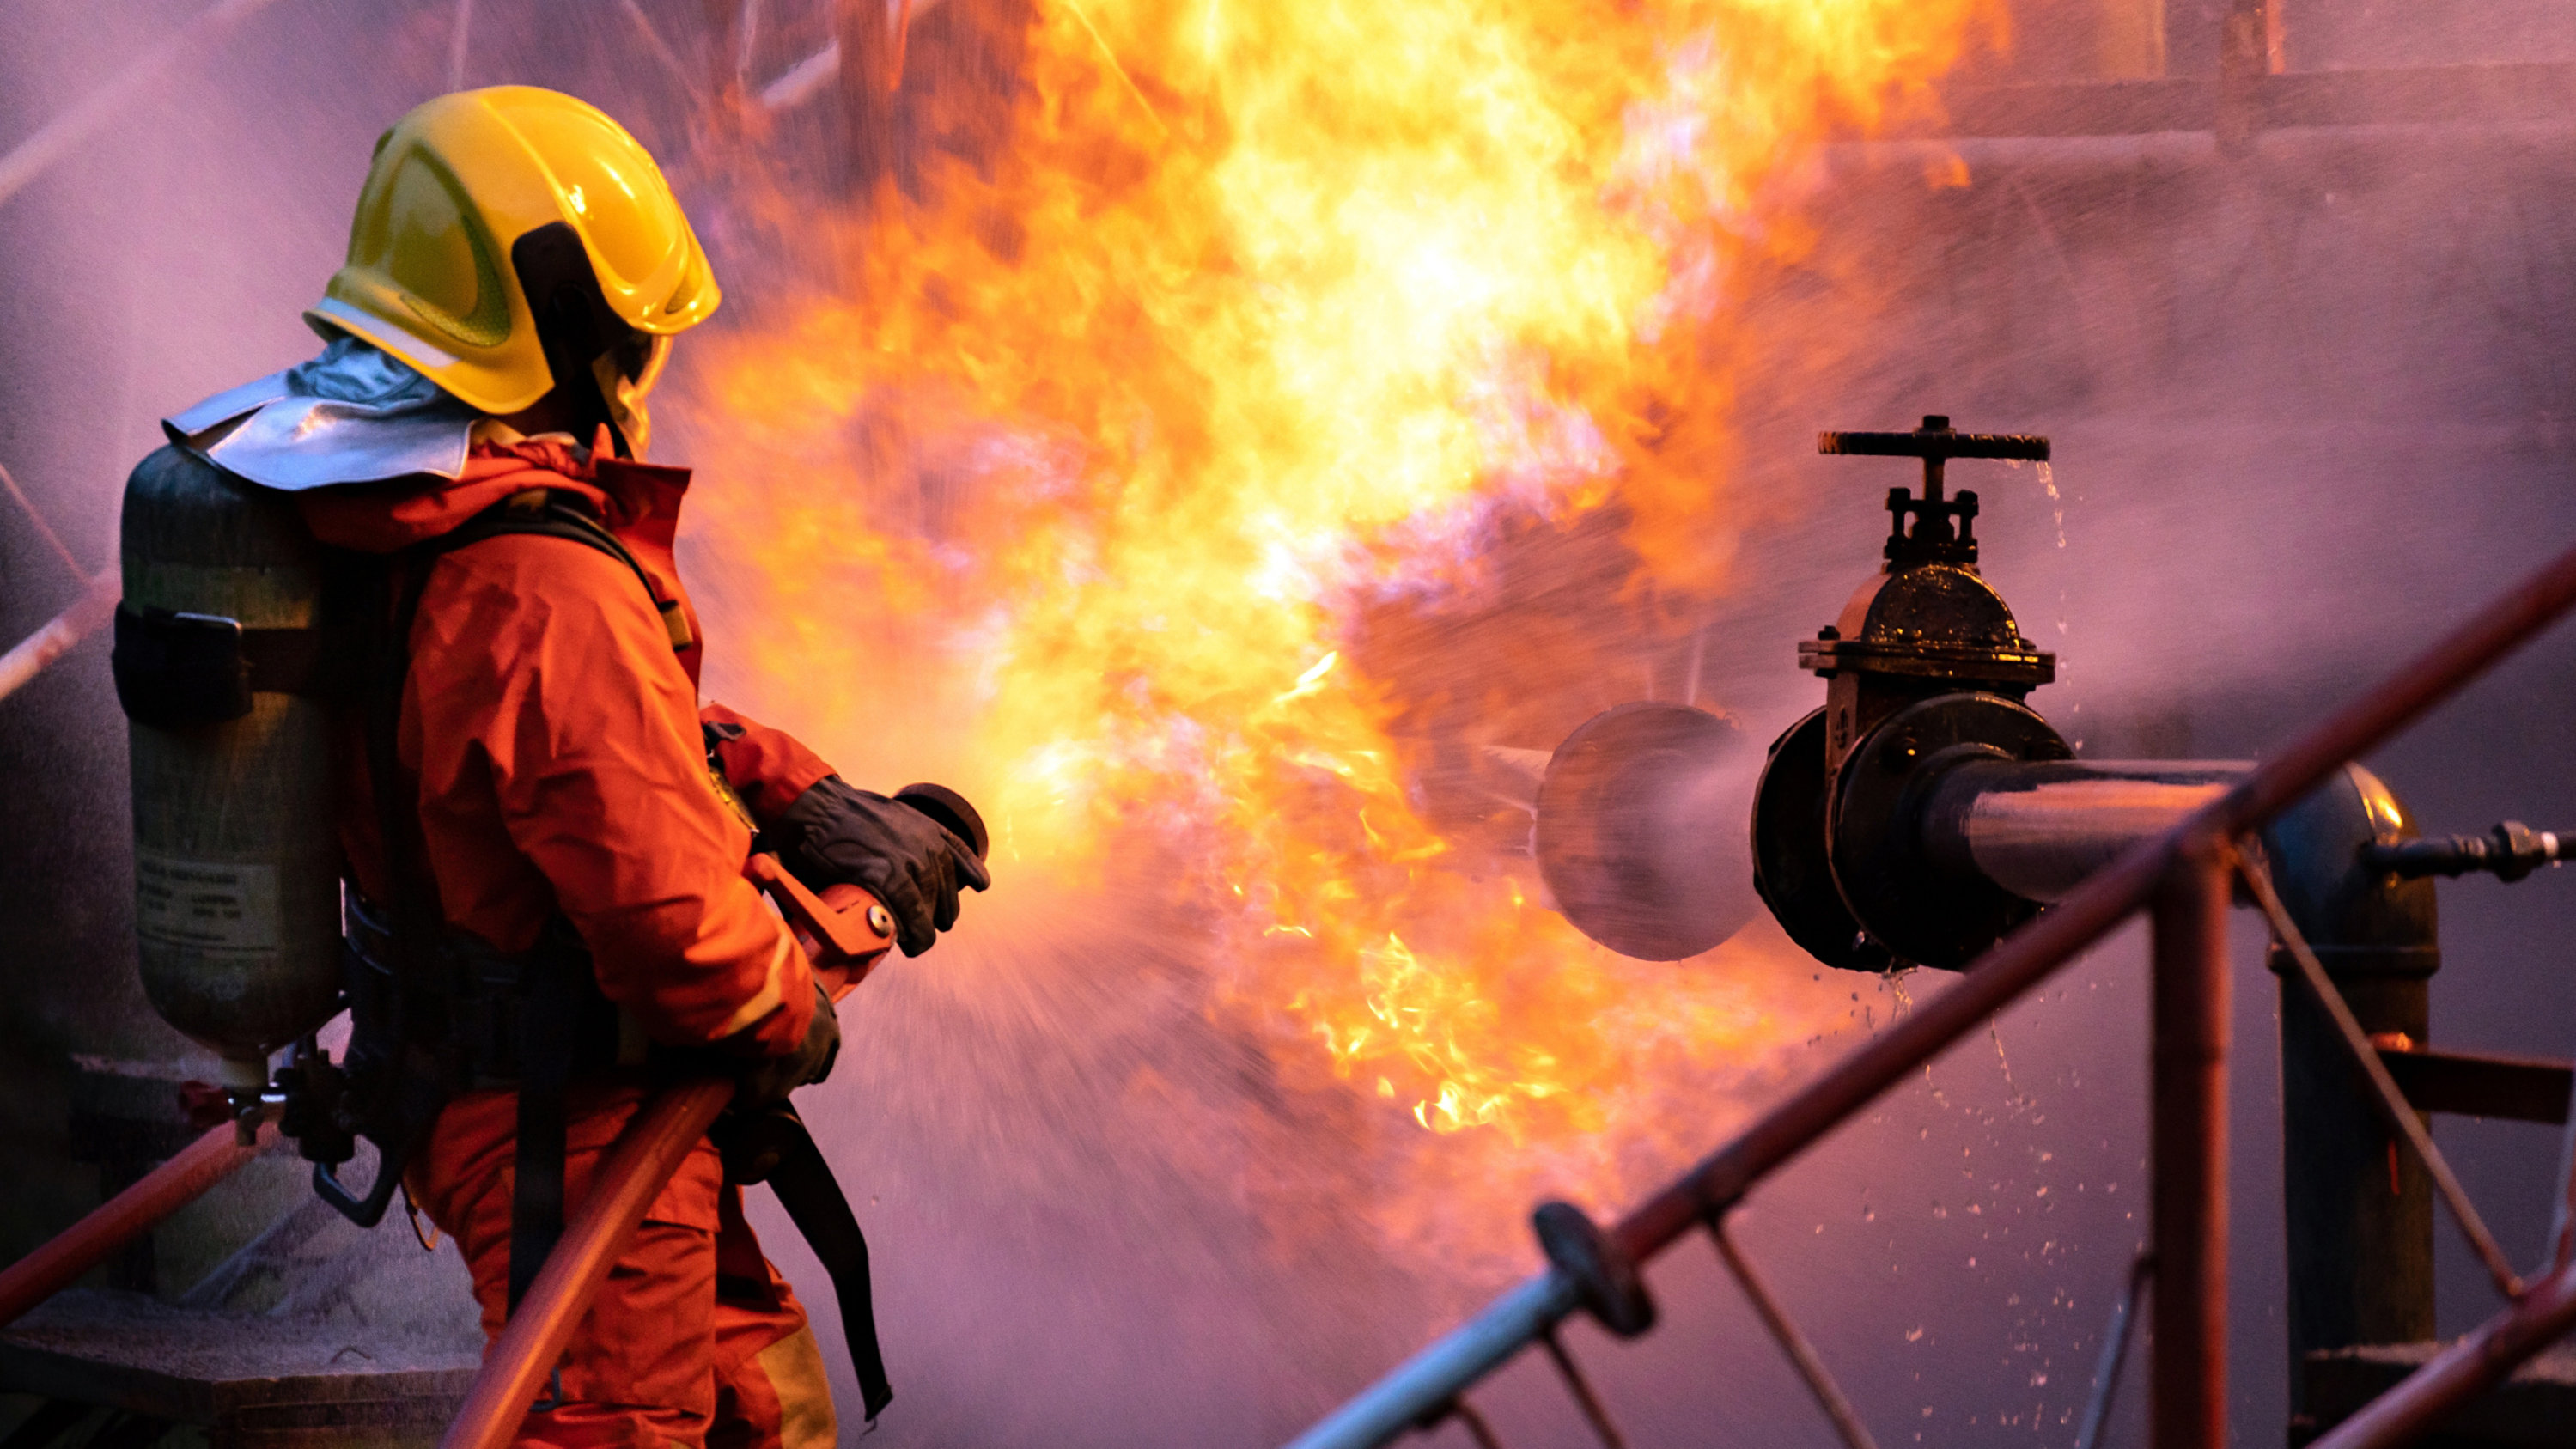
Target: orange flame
x,y
1264,315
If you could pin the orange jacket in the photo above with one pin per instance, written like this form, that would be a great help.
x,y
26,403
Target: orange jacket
x,y
554,733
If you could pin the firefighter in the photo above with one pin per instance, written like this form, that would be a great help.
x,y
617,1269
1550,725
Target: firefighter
x,y
545,832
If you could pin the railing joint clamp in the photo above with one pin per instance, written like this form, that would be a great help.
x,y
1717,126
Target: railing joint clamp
x,y
1601,1271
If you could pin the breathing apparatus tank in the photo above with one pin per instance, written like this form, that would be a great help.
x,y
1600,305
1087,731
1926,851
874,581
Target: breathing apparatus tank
x,y
218,654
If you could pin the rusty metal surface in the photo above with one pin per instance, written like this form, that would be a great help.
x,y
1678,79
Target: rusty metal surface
x,y
2481,1084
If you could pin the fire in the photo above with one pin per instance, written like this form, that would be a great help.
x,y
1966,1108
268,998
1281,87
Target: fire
x,y
1264,317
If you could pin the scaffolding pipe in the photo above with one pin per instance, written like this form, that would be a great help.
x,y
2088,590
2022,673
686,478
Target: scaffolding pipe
x,y
127,1216
639,1166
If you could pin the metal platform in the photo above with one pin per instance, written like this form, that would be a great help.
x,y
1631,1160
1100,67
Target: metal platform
x,y
251,1381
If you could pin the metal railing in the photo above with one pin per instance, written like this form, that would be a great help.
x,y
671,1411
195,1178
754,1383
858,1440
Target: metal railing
x,y
2183,881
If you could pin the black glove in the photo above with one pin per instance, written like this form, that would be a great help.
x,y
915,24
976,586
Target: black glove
x,y
767,1081
911,863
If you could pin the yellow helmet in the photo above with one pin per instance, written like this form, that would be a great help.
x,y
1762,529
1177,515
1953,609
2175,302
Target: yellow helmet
x,y
478,198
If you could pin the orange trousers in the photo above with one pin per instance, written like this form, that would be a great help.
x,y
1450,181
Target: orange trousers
x,y
694,1339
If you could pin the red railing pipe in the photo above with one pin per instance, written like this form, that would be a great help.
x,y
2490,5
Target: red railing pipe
x,y
519,1363
127,1216
51,642
2188,1110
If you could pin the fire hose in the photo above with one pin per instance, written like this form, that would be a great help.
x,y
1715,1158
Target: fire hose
x,y
642,1161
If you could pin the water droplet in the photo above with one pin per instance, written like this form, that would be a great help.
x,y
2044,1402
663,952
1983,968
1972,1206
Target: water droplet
x,y
2048,481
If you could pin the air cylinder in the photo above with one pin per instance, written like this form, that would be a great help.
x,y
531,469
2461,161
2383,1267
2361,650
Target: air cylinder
x,y
236,864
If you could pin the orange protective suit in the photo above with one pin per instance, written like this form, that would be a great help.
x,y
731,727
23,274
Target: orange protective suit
x,y
554,733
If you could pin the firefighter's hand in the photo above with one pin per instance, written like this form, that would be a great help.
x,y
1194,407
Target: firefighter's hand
x,y
911,863
767,1081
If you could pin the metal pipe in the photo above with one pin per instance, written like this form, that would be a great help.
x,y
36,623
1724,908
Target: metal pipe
x,y
1425,1383
1477,1429
2023,960
44,527
61,632
2359,1236
639,1166
2509,852
2115,1353
2463,1371
2395,1112
1802,1354
2562,1212
2039,829
2187,1366
128,1215
1595,1412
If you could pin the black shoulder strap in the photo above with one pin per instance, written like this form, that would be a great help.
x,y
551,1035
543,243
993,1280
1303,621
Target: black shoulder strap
x,y
547,513
772,1145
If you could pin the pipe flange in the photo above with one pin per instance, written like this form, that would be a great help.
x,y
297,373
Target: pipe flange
x,y
1791,870
1874,833
1601,1270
